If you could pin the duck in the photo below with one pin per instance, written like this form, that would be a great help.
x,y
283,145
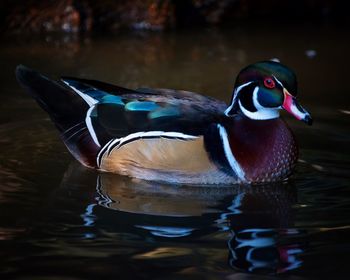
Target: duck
x,y
177,136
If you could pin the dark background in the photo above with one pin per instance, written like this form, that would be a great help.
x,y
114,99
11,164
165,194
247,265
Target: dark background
x,y
52,222
37,16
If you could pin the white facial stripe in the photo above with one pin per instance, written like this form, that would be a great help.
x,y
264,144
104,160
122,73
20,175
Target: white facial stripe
x,y
236,168
255,99
235,94
88,99
90,127
278,81
262,113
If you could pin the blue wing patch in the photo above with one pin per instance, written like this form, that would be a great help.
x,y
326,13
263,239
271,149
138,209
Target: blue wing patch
x,y
107,98
170,111
141,106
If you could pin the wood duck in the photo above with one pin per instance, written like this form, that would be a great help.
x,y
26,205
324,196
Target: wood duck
x,y
177,136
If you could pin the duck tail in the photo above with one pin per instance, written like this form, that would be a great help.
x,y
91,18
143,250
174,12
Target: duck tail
x,y
66,109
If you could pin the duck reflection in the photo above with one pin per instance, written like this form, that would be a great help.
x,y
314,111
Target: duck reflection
x,y
261,235
258,219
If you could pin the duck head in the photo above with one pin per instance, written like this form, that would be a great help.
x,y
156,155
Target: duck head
x,y
262,89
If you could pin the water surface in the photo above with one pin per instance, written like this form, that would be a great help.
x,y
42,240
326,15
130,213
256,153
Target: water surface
x,y
60,220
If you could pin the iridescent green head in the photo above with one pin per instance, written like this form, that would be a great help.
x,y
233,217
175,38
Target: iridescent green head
x,y
262,89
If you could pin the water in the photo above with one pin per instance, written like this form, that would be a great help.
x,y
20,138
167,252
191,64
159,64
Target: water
x,y
59,220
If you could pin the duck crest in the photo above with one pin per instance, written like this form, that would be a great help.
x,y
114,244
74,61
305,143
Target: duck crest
x,y
265,150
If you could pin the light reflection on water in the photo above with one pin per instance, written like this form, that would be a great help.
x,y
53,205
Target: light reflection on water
x,y
53,219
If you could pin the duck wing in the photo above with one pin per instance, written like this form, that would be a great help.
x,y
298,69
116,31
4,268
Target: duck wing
x,y
90,114
115,112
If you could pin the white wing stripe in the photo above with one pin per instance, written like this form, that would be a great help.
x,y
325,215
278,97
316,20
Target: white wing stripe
x,y
229,156
156,134
90,127
88,99
102,152
117,143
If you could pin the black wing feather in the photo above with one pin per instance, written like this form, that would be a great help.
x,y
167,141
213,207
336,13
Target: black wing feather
x,y
194,111
66,109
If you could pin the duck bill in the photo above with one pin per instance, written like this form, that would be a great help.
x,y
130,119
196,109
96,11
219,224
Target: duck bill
x,y
291,105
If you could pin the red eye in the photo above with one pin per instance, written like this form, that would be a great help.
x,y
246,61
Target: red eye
x,y
269,83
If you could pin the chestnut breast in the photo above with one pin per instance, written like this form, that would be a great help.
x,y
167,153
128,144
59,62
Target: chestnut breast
x,y
266,150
